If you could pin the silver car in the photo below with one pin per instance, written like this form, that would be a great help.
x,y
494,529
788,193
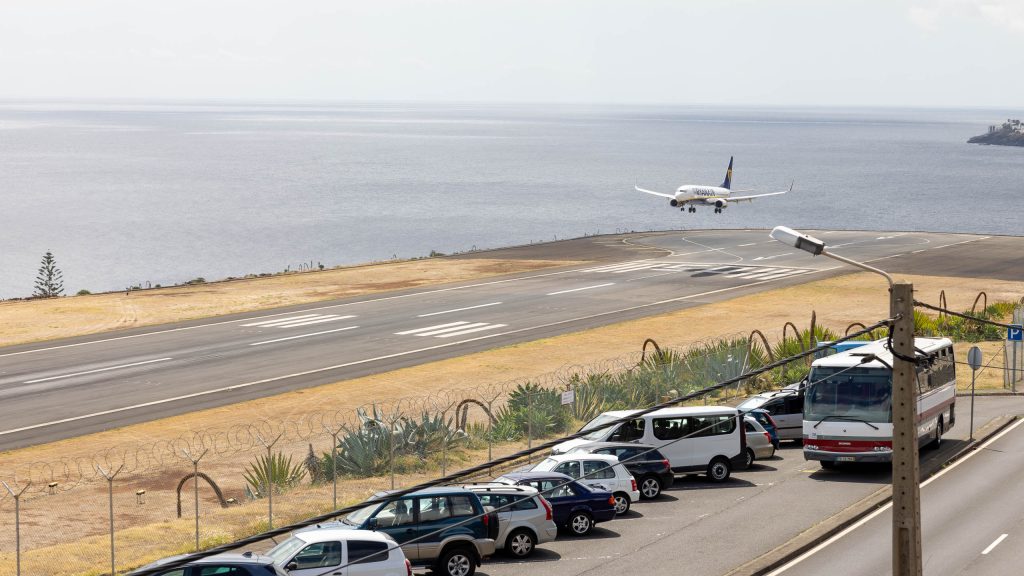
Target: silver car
x,y
759,443
525,518
786,407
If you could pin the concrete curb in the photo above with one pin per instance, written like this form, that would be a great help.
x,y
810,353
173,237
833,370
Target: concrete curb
x,y
829,527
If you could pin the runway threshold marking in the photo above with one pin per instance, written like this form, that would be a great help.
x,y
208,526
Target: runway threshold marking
x,y
579,289
888,505
108,368
303,335
244,385
459,309
994,544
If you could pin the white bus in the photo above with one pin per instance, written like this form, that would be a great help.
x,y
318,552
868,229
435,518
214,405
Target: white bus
x,y
848,405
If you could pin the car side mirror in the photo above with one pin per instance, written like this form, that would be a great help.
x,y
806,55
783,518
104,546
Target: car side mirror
x,y
291,566
371,524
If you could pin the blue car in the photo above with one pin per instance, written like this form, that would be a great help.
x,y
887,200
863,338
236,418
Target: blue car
x,y
767,422
575,507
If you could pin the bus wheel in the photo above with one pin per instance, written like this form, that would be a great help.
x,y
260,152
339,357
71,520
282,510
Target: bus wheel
x,y
937,443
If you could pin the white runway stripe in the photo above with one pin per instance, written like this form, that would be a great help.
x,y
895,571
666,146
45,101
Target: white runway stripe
x,y
742,271
417,330
451,329
471,330
578,289
764,272
614,267
636,268
459,309
280,320
329,318
303,335
776,276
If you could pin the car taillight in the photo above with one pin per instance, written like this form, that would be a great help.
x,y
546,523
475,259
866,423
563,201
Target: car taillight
x,y
547,508
633,481
408,567
487,520
611,500
768,437
666,464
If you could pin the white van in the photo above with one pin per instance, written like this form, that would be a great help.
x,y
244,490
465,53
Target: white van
x,y
694,439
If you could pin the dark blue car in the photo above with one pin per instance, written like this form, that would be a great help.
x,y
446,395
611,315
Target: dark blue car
x,y
575,507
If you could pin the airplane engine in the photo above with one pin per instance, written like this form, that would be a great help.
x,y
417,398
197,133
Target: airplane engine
x,y
721,203
673,203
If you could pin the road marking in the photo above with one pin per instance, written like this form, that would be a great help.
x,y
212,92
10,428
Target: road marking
x,y
244,385
280,320
471,330
888,505
772,257
96,370
917,251
311,321
578,289
459,309
751,244
417,330
994,544
303,336
450,329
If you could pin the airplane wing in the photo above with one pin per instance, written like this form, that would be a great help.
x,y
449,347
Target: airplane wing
x,y
662,194
749,198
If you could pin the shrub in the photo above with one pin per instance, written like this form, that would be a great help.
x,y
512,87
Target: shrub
x,y
82,292
273,471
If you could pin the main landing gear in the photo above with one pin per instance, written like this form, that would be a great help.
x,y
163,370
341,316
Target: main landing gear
x,y
688,209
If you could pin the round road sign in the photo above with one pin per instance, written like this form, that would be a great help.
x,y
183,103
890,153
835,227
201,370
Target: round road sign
x,y
974,357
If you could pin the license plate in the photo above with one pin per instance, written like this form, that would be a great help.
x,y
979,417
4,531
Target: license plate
x,y
845,459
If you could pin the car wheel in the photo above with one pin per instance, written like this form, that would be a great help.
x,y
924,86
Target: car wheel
x,y
520,543
580,524
650,487
621,503
748,459
719,470
456,561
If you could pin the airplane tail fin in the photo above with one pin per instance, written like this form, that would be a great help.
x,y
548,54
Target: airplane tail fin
x,y
727,184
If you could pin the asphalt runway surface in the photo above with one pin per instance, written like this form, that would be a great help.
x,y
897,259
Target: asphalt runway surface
x,y
61,389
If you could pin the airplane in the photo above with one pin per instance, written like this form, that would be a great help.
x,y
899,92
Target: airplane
x,y
713,196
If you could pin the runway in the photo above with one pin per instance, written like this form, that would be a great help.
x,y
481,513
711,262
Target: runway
x,y
61,389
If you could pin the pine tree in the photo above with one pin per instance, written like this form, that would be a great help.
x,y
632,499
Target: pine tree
x,y
49,282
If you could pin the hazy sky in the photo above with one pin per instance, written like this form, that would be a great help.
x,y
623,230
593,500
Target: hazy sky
x,y
828,52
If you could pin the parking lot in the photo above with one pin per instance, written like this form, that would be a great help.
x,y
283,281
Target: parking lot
x,y
709,529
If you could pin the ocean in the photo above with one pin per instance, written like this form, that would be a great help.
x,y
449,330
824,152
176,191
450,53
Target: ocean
x,y
130,194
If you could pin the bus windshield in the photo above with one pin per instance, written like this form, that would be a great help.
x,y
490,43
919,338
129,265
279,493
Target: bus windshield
x,y
857,393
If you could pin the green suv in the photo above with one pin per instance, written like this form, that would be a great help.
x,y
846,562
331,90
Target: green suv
x,y
446,529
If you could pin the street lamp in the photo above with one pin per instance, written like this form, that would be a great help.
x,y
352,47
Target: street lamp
x,y
906,490
811,244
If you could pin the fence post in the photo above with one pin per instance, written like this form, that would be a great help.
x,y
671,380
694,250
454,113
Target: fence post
x,y
195,483
529,424
17,522
334,461
270,486
110,500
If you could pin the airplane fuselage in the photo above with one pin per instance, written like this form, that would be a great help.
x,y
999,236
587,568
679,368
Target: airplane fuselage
x,y
689,193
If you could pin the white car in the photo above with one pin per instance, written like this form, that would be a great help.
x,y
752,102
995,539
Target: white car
x,y
601,471
525,518
364,552
759,443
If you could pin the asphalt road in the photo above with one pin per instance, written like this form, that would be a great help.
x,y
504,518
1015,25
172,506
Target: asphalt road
x,y
972,519
66,388
701,529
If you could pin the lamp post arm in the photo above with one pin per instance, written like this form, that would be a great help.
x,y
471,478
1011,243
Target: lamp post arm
x,y
859,265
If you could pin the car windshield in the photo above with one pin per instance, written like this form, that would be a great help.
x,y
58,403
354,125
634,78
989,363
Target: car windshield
x,y
546,464
595,423
504,480
359,517
855,394
751,403
285,550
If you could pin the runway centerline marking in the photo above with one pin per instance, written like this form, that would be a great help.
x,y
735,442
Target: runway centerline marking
x,y
994,544
459,309
303,335
97,370
579,289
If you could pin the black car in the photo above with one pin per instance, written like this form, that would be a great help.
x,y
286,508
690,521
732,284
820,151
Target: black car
x,y
651,469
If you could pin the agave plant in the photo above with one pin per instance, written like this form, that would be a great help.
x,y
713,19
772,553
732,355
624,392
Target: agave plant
x,y
274,471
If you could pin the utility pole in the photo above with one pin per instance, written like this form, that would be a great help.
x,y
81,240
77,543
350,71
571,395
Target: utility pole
x,y
906,489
